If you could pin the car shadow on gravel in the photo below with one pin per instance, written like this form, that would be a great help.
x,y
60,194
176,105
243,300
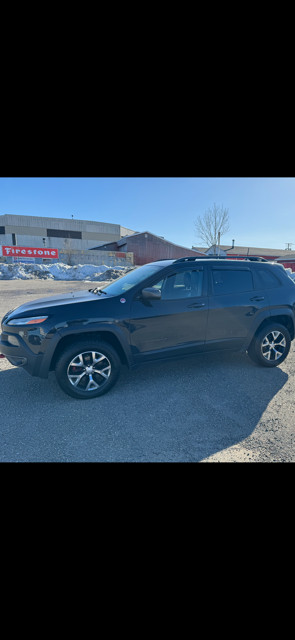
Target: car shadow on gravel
x,y
184,410
203,404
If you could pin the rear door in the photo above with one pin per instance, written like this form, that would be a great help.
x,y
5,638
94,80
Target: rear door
x,y
233,306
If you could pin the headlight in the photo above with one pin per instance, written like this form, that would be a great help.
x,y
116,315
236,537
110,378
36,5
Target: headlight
x,y
21,321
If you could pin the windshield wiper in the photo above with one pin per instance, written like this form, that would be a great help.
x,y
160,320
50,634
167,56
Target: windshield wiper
x,y
96,290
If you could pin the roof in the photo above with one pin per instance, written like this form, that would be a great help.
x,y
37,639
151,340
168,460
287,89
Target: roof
x,y
290,256
251,251
122,241
141,233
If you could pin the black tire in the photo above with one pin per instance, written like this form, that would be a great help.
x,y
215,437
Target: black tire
x,y
271,345
87,369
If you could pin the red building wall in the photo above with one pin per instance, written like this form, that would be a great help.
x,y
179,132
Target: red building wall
x,y
147,248
288,264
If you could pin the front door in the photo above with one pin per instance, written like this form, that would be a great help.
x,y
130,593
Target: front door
x,y
174,324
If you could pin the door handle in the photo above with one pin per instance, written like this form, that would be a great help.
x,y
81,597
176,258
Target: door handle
x,y
257,298
196,305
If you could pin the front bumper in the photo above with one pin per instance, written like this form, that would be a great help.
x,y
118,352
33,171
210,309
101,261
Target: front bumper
x,y
20,355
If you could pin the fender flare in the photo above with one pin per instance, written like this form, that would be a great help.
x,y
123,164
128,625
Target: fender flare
x,y
101,328
268,315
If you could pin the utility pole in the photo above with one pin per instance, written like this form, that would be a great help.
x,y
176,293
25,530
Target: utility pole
x,y
288,247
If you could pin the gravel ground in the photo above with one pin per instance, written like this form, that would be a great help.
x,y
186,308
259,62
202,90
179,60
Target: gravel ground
x,y
208,408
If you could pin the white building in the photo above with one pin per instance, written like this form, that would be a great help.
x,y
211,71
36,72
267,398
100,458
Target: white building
x,y
57,233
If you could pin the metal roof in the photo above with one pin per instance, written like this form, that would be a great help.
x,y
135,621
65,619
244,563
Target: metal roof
x,y
251,251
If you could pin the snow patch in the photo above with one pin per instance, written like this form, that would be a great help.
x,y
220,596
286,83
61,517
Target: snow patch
x,y
60,271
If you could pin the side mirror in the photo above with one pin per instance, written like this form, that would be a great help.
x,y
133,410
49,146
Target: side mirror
x,y
151,294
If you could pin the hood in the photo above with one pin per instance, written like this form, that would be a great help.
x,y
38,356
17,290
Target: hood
x,y
54,301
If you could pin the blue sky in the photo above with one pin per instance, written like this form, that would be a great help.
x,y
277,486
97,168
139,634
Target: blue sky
x,y
261,210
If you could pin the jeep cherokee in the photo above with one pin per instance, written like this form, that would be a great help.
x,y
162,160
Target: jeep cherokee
x,y
164,309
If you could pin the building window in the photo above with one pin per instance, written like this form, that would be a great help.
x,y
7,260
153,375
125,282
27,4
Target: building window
x,y
57,233
2,230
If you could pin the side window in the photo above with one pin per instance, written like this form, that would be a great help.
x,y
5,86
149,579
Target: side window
x,y
231,281
183,284
266,279
158,285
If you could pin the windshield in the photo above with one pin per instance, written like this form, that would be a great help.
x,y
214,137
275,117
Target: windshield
x,y
123,284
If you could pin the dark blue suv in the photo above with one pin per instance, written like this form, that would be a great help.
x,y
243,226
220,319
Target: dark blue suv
x,y
164,309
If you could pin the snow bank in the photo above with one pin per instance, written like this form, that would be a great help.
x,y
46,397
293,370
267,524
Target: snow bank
x,y
60,271
291,273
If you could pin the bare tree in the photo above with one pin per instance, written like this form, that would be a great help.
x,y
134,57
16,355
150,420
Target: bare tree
x,y
212,225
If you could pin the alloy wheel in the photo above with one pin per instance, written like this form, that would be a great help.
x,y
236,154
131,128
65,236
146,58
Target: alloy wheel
x,y
89,370
273,345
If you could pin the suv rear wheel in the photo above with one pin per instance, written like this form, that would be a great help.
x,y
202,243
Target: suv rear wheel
x,y
87,369
271,345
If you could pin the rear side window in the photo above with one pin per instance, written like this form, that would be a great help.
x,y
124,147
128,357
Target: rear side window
x,y
267,279
231,281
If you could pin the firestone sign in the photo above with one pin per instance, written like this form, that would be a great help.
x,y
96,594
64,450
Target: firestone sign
x,y
28,252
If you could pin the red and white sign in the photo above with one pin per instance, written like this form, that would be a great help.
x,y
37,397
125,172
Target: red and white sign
x,y
29,252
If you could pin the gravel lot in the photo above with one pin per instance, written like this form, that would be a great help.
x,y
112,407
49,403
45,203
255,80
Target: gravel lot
x,y
208,408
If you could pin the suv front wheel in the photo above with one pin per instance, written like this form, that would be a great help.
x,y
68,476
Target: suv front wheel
x,y
87,369
271,345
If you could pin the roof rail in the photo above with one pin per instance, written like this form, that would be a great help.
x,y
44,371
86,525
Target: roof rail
x,y
258,259
193,259
251,258
247,258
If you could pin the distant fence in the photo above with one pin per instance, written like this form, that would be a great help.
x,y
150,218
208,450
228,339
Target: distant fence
x,y
88,256
77,256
